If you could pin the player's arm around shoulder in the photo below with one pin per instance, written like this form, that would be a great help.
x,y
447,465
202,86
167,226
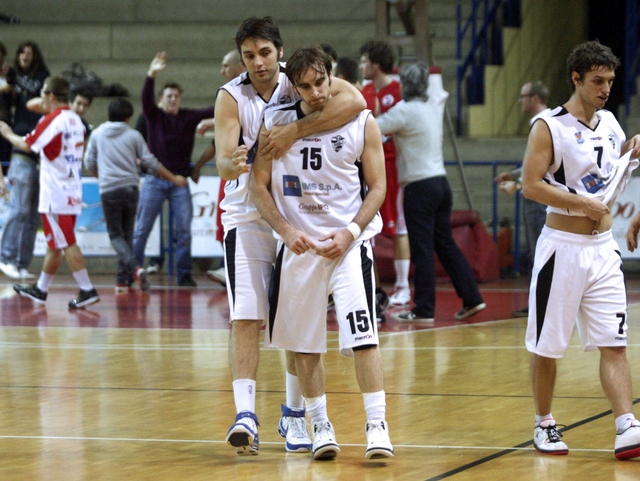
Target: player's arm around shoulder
x,y
260,189
230,157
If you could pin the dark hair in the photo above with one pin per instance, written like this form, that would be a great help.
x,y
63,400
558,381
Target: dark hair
x,y
37,65
82,92
414,79
120,110
381,53
262,28
540,89
307,57
170,85
330,51
347,68
589,56
59,86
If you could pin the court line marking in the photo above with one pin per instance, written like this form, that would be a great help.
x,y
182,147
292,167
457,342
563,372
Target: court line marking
x,y
277,443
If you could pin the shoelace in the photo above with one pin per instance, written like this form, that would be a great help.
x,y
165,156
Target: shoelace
x,y
553,434
298,426
323,426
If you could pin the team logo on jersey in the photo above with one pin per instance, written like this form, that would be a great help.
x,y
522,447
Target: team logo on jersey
x,y
579,137
612,139
387,100
337,142
285,99
591,183
291,185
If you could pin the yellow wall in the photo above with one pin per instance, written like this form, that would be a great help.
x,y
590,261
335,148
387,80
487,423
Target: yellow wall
x,y
537,50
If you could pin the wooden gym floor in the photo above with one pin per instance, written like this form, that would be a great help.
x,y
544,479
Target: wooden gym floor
x,y
137,387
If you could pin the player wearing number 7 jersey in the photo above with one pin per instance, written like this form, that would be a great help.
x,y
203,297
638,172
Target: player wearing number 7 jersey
x,y
576,164
322,199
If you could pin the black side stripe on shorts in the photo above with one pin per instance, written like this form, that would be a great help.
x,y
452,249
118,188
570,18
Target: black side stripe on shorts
x,y
543,289
230,259
366,264
274,293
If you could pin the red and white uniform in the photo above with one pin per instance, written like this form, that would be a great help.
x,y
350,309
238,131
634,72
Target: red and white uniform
x,y
59,139
387,97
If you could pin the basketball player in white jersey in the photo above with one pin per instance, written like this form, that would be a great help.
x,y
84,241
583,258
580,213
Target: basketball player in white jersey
x,y
573,162
322,199
249,246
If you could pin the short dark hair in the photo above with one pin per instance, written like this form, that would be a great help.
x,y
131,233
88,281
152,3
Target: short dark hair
x,y
38,61
59,86
330,51
590,56
381,53
170,85
347,68
414,79
307,57
263,28
120,110
539,89
82,92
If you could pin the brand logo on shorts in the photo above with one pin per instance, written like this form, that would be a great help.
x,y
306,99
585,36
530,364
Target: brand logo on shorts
x,y
620,338
291,185
366,336
314,208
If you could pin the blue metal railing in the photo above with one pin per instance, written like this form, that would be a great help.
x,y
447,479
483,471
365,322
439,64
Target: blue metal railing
x,y
631,52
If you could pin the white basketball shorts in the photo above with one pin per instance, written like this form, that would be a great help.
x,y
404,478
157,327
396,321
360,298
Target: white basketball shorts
x,y
576,278
302,284
250,251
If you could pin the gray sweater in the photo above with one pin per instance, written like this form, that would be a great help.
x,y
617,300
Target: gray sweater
x,y
113,150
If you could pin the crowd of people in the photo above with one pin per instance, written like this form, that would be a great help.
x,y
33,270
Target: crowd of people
x,y
314,166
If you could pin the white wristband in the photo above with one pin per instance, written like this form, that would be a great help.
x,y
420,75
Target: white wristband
x,y
354,229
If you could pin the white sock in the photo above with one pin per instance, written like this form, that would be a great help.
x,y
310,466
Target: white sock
x,y
624,422
295,400
82,278
244,393
317,409
375,405
546,417
402,272
44,281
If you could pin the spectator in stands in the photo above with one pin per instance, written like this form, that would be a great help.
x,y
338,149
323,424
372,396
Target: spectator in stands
x,y
170,136
7,81
382,93
19,237
533,101
417,130
112,156
347,69
59,139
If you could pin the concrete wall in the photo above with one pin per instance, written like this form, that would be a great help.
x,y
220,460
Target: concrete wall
x,y
535,51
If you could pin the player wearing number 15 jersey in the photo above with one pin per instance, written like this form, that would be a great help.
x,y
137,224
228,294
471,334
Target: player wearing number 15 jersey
x,y
322,199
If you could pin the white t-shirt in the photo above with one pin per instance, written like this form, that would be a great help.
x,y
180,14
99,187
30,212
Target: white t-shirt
x,y
59,139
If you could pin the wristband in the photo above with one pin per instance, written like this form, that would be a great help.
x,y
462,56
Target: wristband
x,y
355,230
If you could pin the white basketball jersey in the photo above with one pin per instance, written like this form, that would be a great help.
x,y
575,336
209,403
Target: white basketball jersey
x,y
238,207
318,184
585,160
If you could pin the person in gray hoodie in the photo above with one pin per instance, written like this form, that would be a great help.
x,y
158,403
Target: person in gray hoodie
x,y
112,156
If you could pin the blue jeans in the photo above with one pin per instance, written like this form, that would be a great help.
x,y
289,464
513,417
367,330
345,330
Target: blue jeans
x,y
19,236
154,192
119,207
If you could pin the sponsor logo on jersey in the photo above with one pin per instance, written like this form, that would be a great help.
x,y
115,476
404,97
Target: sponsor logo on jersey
x,y
311,139
285,99
337,142
313,208
579,137
595,138
612,139
74,201
387,100
311,188
291,185
591,183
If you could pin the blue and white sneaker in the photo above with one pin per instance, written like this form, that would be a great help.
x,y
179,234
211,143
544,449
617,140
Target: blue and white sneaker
x,y
293,427
243,435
